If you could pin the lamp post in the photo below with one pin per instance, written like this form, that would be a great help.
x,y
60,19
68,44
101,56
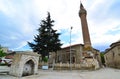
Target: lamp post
x,y
70,47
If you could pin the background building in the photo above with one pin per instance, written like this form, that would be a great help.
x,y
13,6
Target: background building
x,y
5,49
112,55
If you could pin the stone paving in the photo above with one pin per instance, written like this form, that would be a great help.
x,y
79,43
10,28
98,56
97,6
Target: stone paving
x,y
104,73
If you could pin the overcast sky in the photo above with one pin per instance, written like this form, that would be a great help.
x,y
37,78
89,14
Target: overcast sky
x,y
19,20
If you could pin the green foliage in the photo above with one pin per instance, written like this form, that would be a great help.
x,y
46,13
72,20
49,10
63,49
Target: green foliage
x,y
2,53
3,64
47,40
45,59
102,58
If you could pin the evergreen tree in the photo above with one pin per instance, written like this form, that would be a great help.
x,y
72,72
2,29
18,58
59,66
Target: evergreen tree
x,y
47,40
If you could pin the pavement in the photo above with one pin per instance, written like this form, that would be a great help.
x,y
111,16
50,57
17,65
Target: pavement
x,y
103,73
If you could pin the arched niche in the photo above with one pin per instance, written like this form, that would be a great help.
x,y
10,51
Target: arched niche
x,y
28,68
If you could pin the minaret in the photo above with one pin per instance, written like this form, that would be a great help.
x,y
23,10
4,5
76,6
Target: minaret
x,y
85,30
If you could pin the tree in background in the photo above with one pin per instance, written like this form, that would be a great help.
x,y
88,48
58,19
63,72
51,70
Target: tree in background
x,y
102,58
47,39
2,53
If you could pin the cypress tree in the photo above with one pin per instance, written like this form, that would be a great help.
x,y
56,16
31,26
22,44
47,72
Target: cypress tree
x,y
47,39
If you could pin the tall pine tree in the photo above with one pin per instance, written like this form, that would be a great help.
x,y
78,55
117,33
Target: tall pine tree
x,y
47,40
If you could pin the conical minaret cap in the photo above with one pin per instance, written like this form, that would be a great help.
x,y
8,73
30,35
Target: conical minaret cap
x,y
81,6
82,10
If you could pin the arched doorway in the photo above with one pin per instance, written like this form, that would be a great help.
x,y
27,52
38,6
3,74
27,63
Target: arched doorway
x,y
28,68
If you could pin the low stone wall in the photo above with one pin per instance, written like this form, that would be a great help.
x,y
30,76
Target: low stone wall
x,y
4,69
88,64
64,66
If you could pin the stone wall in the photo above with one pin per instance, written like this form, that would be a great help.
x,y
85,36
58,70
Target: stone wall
x,y
112,56
64,54
81,66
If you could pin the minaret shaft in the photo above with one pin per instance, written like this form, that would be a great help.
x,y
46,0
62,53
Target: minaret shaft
x,y
85,30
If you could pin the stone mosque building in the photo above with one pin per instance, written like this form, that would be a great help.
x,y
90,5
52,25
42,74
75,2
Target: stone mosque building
x,y
83,54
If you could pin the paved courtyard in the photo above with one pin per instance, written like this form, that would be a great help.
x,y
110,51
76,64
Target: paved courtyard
x,y
104,73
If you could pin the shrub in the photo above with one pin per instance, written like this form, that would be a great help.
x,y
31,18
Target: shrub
x,y
45,59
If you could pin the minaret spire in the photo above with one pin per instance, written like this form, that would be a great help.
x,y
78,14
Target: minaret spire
x,y
81,5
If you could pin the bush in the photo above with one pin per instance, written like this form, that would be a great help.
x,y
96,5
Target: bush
x,y
3,64
45,59
2,53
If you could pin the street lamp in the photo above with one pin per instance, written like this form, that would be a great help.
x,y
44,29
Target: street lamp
x,y
70,47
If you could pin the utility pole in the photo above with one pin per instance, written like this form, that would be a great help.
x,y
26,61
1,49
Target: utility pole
x,y
70,47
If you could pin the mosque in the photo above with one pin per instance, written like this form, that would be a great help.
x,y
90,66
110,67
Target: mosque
x,y
83,54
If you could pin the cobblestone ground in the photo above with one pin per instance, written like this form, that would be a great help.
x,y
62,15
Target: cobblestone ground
x,y
104,73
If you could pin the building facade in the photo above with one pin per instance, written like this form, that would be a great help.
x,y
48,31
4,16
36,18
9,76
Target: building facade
x,y
65,58
77,54
112,55
5,49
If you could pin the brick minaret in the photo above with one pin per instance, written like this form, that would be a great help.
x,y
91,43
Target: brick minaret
x,y
85,30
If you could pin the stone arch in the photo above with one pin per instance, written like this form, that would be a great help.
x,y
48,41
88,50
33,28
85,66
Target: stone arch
x,y
29,66
30,58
